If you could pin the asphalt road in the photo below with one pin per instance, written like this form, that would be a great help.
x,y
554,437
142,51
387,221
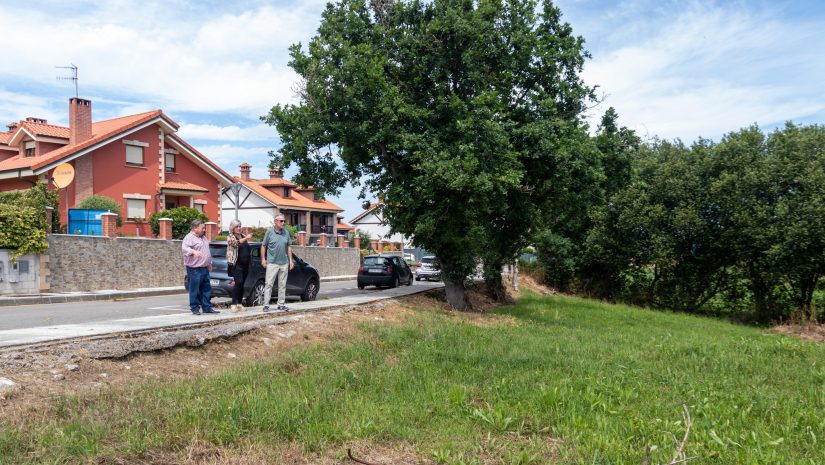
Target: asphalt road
x,y
32,316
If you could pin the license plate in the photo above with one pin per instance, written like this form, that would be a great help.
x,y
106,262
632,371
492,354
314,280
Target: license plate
x,y
376,271
214,282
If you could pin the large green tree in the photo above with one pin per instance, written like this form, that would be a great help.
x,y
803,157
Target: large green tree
x,y
464,115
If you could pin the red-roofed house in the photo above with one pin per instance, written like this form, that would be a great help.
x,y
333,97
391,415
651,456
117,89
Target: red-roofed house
x,y
137,160
260,200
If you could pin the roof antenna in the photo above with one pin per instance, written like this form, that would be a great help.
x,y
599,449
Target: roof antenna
x,y
72,77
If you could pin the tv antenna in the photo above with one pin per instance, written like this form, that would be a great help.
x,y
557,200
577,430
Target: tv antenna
x,y
71,77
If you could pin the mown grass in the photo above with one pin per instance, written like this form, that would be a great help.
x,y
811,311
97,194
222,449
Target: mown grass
x,y
572,381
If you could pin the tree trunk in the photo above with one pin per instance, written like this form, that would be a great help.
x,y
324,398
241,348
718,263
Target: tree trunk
x,y
456,297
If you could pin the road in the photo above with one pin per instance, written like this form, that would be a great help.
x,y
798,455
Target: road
x,y
33,316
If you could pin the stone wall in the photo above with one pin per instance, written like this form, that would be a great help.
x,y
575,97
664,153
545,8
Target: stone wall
x,y
93,263
331,261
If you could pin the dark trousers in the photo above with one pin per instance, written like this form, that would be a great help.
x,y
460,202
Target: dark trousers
x,y
200,291
240,271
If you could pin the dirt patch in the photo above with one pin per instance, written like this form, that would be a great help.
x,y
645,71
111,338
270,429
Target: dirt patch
x,y
809,332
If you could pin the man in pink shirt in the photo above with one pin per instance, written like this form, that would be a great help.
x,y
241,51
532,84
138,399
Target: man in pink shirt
x,y
198,262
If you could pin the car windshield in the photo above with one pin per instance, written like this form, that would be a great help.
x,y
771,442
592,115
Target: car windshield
x,y
428,260
373,261
217,250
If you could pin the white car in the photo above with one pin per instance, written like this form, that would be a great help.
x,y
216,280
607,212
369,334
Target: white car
x,y
409,257
428,268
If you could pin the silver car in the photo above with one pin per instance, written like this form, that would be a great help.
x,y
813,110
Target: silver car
x,y
428,268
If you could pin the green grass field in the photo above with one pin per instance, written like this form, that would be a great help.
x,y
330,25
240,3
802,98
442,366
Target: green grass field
x,y
561,380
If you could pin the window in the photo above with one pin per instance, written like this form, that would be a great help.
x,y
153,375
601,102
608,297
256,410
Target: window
x,y
135,209
30,152
30,148
134,155
199,207
170,162
287,191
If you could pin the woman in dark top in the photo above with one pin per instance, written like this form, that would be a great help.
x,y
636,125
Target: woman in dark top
x,y
237,259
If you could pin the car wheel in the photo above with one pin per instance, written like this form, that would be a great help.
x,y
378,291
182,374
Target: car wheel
x,y
396,282
256,296
360,286
410,281
418,278
311,291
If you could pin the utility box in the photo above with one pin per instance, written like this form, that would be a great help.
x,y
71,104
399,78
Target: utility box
x,y
86,222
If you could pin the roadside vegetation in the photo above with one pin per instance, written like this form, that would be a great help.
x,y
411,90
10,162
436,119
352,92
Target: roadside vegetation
x,y
548,380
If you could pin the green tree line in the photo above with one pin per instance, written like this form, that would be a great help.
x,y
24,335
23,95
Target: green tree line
x,y
734,228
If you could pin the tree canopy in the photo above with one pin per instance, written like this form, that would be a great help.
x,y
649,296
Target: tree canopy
x,y
464,115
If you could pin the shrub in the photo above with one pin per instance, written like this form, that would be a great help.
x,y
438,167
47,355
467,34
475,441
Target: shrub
x,y
38,197
22,229
182,218
101,202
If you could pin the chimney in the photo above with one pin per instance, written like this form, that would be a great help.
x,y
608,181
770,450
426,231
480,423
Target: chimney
x,y
32,119
80,120
245,169
12,126
275,173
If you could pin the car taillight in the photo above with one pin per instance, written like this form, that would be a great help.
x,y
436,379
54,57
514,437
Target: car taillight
x,y
389,269
418,265
361,269
232,283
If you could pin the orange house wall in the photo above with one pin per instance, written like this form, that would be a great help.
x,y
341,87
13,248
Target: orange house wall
x,y
187,171
113,178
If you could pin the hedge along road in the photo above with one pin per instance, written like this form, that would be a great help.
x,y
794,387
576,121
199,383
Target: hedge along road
x,y
41,323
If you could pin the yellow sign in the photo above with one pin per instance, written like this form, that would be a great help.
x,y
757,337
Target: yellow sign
x,y
63,175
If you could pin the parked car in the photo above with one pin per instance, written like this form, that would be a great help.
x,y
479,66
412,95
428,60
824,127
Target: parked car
x,y
409,257
303,279
384,270
428,268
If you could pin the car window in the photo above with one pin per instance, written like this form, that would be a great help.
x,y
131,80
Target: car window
x,y
373,261
428,260
217,250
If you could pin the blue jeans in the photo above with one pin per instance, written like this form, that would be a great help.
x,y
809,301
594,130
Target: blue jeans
x,y
200,291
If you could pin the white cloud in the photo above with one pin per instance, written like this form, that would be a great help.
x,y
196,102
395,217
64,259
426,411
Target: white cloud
x,y
227,133
708,70
17,106
234,63
229,157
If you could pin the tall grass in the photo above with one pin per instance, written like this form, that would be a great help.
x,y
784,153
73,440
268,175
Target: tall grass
x,y
571,381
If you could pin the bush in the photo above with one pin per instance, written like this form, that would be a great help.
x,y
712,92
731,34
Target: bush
x,y
22,229
38,198
182,218
101,202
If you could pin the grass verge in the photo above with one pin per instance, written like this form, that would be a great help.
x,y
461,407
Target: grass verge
x,y
549,380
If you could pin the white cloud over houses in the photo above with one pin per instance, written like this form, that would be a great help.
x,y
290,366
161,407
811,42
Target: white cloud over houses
x,y
228,133
212,63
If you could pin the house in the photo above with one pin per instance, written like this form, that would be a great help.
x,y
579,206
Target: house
x,y
259,201
371,222
138,160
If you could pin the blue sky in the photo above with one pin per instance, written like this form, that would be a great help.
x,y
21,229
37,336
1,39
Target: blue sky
x,y
673,69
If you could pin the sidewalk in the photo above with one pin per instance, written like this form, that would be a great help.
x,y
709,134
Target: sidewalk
x,y
41,334
108,294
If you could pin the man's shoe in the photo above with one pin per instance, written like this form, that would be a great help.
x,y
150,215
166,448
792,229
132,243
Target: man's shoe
x,y
196,313
283,308
266,308
211,311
